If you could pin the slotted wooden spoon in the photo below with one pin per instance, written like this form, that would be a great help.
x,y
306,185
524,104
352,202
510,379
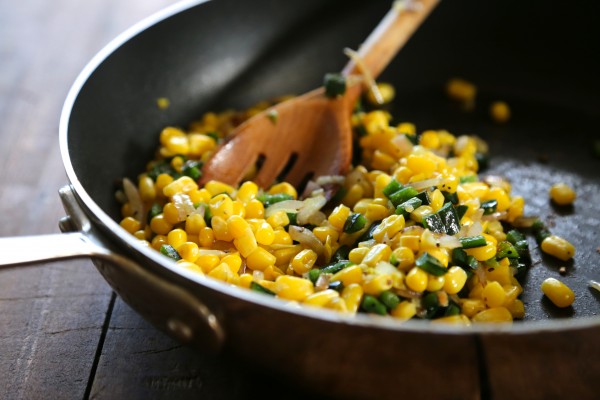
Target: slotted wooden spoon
x,y
310,135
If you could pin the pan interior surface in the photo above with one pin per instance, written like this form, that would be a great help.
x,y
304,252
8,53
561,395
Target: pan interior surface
x,y
227,53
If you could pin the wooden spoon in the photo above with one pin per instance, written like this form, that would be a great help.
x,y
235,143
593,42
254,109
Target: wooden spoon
x,y
310,135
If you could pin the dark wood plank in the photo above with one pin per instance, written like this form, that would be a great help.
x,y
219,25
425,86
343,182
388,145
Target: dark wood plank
x,y
140,362
51,315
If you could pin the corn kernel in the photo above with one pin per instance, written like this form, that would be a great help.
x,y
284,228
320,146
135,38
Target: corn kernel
x,y
416,279
222,272
146,188
215,188
190,266
247,192
493,294
455,280
207,261
471,307
188,251
234,261
184,184
206,237
159,225
352,294
338,217
221,205
461,90
320,299
194,224
388,227
255,209
304,261
404,256
130,224
221,229
158,241
405,310
200,144
293,288
199,196
349,275
562,194
500,112
171,214
281,237
177,237
486,252
559,293
516,309
435,283
357,254
244,280
496,314
264,234
377,253
421,164
278,219
260,259
284,188
386,92
558,247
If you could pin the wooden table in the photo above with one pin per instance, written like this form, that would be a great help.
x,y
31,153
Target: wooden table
x,y
63,332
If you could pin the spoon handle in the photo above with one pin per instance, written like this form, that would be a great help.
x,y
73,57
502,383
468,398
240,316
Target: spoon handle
x,y
390,35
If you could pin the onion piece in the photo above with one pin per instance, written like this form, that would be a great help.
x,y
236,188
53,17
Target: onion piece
x,y
307,238
286,205
366,74
408,294
322,282
475,229
184,206
427,183
330,179
450,242
480,272
135,201
402,144
309,207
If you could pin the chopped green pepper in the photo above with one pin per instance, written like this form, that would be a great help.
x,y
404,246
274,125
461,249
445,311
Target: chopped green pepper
x,y
372,305
354,223
472,241
335,84
256,287
430,264
170,252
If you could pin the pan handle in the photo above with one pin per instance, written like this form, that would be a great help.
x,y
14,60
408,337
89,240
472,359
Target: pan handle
x,y
167,305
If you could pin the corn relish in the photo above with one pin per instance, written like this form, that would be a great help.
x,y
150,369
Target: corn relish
x,y
412,232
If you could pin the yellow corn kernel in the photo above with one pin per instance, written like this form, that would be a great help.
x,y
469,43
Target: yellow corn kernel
x,y
200,144
501,274
486,252
381,181
130,224
439,253
412,242
255,209
304,261
238,208
177,163
421,212
238,227
270,285
284,256
461,90
234,261
260,259
264,234
404,256
221,205
386,91
281,237
216,187
562,194
375,284
206,237
146,188
337,304
177,237
376,212
500,196
477,190
455,280
377,253
437,200
162,180
247,192
405,310
352,196
126,210
159,225
322,232
476,291
284,188
184,184
416,279
322,298
221,229
515,210
171,214
493,294
352,294
435,283
245,280
194,224
421,164
382,161
403,174
158,241
175,140
388,227
222,272
470,307
500,112
450,184
271,273
245,244
357,254
293,288
188,251
140,234
516,309
496,314
559,293
349,275
338,217
459,319
430,140
558,247
278,219
512,292
207,261
190,266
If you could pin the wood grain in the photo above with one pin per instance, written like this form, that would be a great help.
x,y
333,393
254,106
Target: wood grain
x,y
51,315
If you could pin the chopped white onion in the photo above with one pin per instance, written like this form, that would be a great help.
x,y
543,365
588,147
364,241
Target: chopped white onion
x,y
322,282
330,179
184,206
450,242
309,207
306,237
427,183
135,201
402,144
291,206
475,229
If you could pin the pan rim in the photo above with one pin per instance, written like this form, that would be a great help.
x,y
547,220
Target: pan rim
x,y
128,241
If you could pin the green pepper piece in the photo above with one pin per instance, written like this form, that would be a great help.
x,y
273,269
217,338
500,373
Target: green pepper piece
x,y
430,264
256,287
410,204
402,195
170,252
354,223
472,241
389,299
372,305
489,207
335,84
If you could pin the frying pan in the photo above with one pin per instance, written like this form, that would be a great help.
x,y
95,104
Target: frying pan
x,y
225,53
